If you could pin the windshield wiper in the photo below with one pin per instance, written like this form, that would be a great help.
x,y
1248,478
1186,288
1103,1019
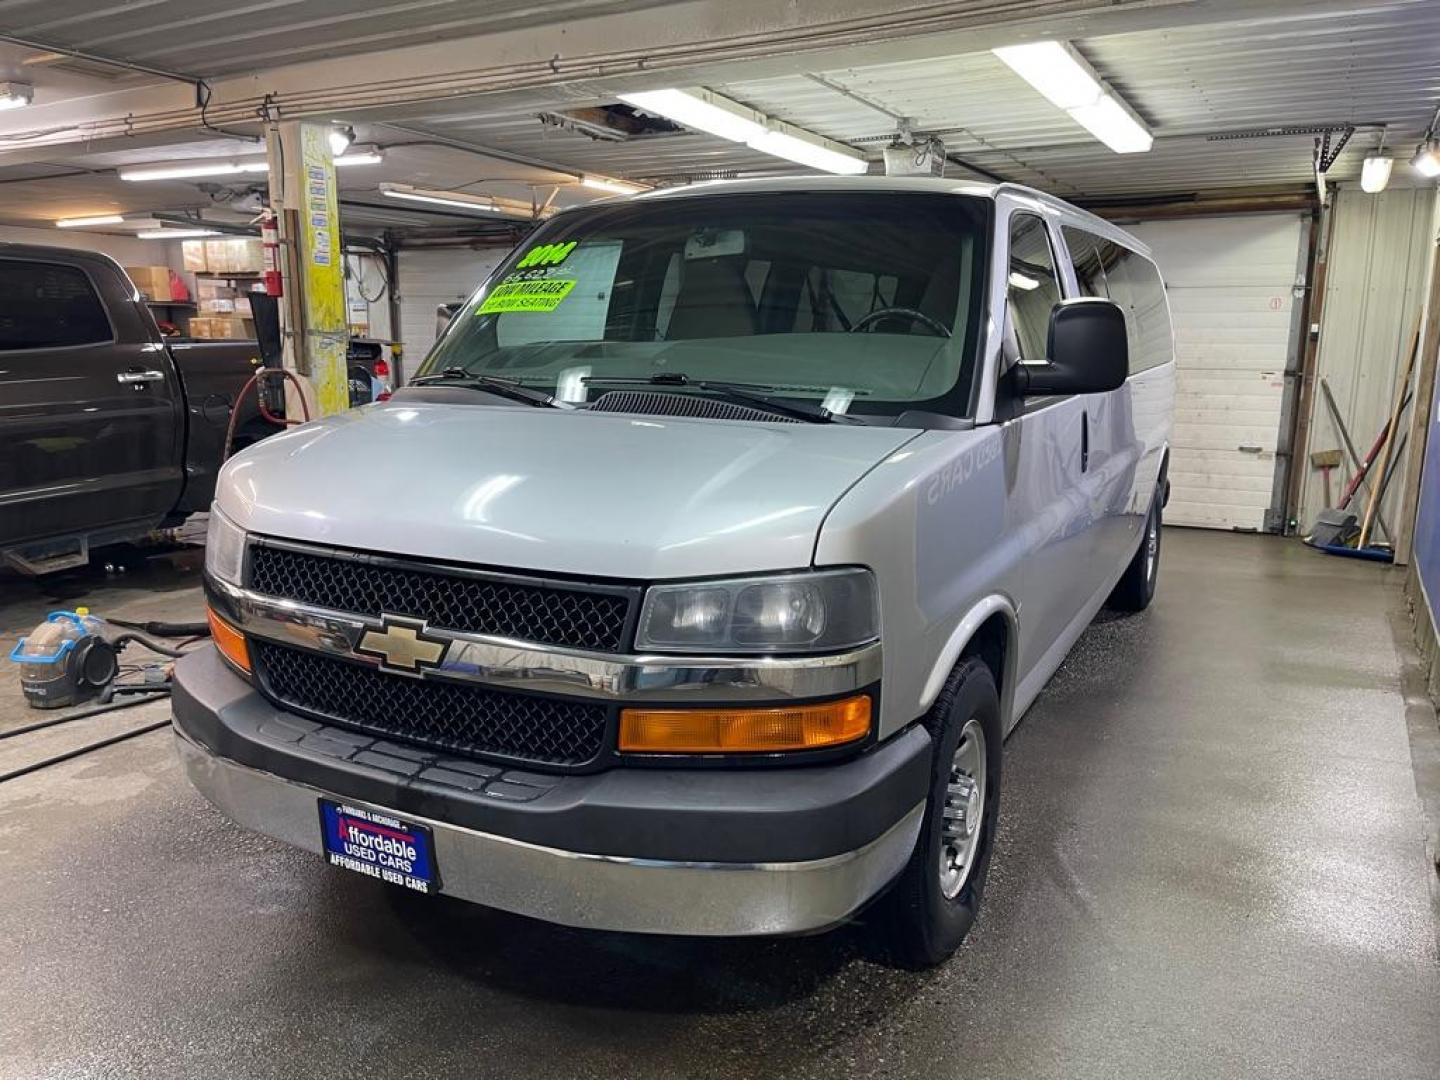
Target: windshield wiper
x,y
737,393
493,384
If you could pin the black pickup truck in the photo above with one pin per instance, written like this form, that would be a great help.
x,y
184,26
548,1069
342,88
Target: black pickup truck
x,y
107,432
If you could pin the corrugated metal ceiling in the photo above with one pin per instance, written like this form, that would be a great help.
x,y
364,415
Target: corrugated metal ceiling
x,y
211,40
1376,65
1373,63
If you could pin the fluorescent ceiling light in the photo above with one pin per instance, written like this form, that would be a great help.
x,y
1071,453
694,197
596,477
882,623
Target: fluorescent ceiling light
x,y
1427,158
175,234
15,95
185,171
461,199
1115,125
1065,80
1018,280
86,222
701,110
1055,70
341,136
369,156
706,111
812,152
194,170
618,187
1375,173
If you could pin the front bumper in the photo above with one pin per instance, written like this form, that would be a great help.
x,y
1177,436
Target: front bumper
x,y
669,851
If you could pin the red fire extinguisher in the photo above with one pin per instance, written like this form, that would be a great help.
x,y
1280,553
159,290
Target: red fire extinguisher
x,y
270,241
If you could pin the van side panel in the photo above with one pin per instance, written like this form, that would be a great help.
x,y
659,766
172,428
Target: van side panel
x,y
990,519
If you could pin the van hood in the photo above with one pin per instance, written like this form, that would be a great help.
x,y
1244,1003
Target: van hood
x,y
578,492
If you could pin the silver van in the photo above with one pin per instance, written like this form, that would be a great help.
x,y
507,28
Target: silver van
x,y
694,584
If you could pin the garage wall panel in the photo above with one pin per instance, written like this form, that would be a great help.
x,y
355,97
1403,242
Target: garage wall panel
x,y
429,278
1231,285
1374,288
126,250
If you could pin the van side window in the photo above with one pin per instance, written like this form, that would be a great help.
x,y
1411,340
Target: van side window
x,y
1033,288
1085,256
49,306
1134,284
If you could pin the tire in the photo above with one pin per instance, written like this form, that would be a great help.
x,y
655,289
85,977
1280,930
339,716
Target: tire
x,y
1136,587
927,913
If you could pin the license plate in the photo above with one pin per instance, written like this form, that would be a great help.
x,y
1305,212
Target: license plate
x,y
379,845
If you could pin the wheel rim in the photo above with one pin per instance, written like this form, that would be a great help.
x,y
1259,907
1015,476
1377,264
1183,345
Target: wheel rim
x,y
1152,546
963,813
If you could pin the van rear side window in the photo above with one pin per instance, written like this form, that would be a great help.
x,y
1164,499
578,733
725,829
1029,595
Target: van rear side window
x,y
49,306
1104,268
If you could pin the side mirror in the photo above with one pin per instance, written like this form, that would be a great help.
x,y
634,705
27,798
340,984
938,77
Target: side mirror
x,y
1089,352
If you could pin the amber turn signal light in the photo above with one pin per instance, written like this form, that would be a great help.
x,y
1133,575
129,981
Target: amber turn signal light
x,y
229,641
741,730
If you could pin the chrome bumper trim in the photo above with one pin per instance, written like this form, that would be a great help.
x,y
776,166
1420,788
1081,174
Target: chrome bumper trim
x,y
600,892
523,665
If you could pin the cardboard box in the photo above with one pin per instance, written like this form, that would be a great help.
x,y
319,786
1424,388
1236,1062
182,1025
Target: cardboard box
x,y
247,256
242,307
216,305
193,254
217,256
222,327
207,288
234,255
153,281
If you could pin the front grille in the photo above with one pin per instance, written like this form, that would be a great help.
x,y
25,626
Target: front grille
x,y
462,719
455,600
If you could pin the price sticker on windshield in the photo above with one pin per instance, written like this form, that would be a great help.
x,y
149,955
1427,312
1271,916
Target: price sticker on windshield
x,y
542,294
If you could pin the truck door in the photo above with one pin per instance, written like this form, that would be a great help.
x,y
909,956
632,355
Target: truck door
x,y
90,406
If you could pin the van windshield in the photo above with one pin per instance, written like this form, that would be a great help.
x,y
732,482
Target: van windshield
x,y
867,302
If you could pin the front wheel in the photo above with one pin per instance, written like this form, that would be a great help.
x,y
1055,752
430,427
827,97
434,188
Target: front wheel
x,y
934,902
1136,587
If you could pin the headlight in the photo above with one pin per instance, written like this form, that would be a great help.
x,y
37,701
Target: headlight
x,y
810,612
224,548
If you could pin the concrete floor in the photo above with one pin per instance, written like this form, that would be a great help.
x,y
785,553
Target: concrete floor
x,y
1210,864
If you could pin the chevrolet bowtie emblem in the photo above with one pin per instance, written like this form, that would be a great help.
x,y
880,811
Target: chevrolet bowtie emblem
x,y
402,645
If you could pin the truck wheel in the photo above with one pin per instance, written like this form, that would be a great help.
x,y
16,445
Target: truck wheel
x,y
933,903
1137,586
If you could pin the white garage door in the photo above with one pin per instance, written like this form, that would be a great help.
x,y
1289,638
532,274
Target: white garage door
x,y
429,279
1231,284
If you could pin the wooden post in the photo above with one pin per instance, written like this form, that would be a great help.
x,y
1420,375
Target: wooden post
x,y
1374,504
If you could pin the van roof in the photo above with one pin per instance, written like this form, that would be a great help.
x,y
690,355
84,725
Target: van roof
x,y
934,184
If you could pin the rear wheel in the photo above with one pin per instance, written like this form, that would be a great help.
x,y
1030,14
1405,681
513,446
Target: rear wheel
x,y
934,902
1137,587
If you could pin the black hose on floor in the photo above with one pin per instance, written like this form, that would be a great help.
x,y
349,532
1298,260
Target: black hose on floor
x,y
79,750
94,710
165,629
120,640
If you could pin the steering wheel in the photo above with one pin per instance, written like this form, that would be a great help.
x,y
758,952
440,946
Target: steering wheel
x,y
941,330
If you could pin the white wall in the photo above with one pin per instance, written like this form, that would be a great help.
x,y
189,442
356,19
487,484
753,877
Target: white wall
x,y
365,278
1374,290
126,250
432,277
